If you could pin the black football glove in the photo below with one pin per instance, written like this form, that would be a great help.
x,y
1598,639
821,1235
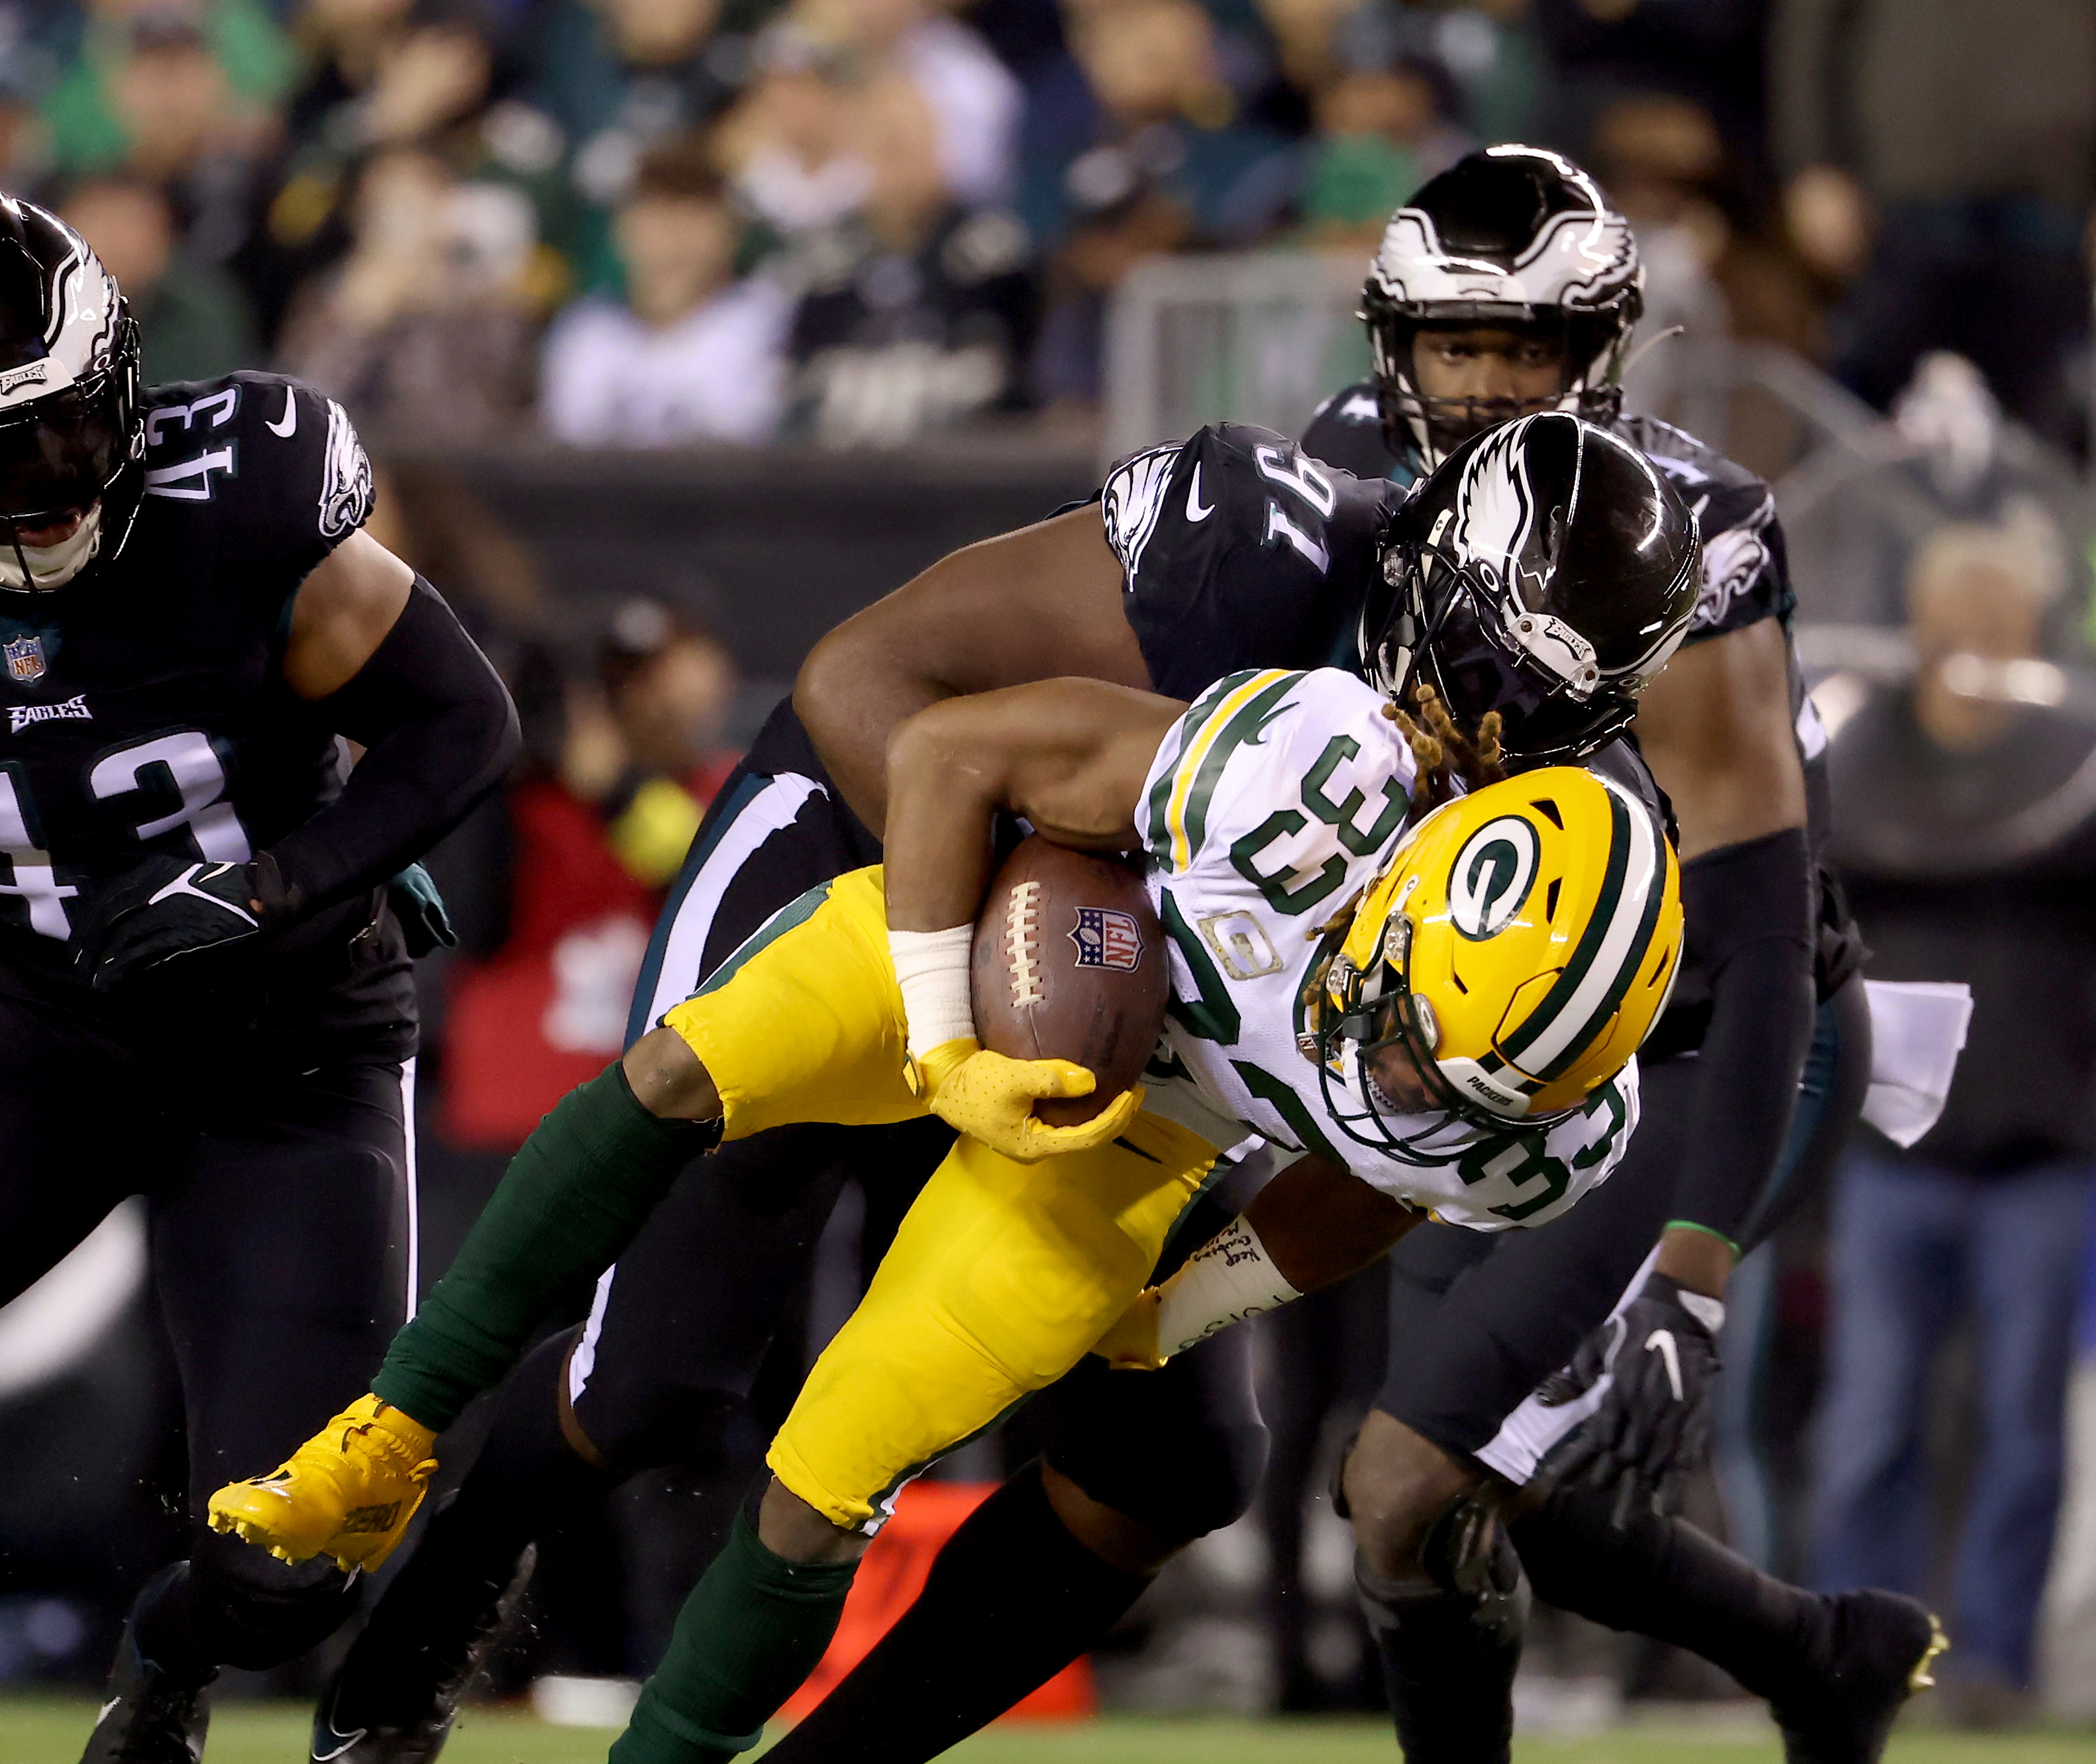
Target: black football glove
x,y
1653,1428
165,907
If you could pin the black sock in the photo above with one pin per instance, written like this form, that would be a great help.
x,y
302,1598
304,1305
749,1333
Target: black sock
x,y
526,1476
1663,1577
1448,1660
229,1605
1010,1600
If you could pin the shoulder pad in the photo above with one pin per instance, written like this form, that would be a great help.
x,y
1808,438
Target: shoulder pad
x,y
1238,550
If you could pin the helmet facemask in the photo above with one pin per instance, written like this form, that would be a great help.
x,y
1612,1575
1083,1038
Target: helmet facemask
x,y
1593,350
1362,1014
72,450
1481,651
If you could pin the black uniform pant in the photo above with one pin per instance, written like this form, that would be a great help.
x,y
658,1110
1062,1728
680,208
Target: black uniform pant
x,y
1478,1320
281,1209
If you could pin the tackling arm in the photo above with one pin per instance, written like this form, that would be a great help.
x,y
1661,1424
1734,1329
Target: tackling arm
x,y
1043,601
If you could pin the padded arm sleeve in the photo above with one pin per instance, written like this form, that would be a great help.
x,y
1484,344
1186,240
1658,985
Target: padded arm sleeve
x,y
1749,910
438,731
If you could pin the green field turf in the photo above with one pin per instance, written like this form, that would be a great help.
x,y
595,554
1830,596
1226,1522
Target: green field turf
x,y
45,1731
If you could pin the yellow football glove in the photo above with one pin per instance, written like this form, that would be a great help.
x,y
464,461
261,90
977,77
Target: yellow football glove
x,y
347,1492
1130,1342
990,1096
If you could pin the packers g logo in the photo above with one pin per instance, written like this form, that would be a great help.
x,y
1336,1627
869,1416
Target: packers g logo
x,y
1491,876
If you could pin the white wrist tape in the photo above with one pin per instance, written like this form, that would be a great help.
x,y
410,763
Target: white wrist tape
x,y
931,967
1228,1279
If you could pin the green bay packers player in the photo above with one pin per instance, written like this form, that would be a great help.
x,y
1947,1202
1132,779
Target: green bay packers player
x,y
1439,1013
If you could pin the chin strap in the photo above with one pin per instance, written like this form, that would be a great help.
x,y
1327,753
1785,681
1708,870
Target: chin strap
x,y
37,569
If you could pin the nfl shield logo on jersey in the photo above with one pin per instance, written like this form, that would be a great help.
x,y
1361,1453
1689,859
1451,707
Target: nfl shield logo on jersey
x,y
25,658
1107,939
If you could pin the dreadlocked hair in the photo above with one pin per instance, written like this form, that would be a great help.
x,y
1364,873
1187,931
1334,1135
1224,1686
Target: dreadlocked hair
x,y
1449,763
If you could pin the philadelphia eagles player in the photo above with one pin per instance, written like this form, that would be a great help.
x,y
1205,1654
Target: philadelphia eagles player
x,y
205,995
1457,1036
1505,285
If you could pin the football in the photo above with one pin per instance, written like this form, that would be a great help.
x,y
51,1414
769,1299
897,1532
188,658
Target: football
x,y
1068,963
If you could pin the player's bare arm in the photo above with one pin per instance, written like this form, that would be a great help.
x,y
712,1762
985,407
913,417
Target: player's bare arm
x,y
1026,605
1070,755
1321,1223
1714,727
342,614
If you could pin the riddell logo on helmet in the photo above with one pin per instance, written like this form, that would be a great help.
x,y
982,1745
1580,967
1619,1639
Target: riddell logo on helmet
x,y
33,373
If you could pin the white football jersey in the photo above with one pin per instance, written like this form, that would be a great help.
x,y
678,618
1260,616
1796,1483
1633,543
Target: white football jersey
x,y
1272,803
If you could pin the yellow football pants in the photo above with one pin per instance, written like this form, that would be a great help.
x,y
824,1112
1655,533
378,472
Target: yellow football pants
x,y
1003,1275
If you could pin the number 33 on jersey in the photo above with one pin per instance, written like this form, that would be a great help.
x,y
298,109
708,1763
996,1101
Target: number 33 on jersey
x,y
1275,802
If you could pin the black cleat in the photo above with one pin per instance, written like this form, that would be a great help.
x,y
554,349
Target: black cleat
x,y
1881,1647
394,1699
147,1717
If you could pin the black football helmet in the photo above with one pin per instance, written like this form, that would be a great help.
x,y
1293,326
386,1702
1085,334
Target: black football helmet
x,y
1510,236
72,435
1546,570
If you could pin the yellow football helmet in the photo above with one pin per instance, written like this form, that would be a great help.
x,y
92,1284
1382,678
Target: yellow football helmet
x,y
1520,942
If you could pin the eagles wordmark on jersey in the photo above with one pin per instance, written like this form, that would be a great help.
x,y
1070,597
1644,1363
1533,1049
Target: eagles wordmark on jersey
x,y
1275,801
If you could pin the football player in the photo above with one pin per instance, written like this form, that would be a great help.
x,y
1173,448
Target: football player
x,y
1506,286
1135,1467
204,985
1458,1035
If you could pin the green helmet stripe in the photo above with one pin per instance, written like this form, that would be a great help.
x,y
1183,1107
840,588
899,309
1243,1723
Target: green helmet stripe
x,y
1610,952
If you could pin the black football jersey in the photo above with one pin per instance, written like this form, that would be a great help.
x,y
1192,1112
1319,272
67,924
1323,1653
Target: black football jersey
x,y
145,711
1240,551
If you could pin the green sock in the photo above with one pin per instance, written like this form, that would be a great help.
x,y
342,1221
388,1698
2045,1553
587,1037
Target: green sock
x,y
754,1628
571,1200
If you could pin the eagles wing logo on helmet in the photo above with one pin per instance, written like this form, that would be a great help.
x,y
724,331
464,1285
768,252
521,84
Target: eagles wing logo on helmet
x,y
72,440
1579,261
1490,878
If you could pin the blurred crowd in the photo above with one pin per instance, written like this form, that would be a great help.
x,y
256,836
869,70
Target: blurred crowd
x,y
645,222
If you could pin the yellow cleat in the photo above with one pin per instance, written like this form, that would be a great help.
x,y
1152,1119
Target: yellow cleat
x,y
348,1492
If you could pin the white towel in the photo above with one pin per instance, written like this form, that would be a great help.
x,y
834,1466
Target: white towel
x,y
1917,1030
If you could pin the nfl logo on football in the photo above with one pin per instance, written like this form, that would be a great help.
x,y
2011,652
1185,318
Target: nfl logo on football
x,y
1107,939
25,658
